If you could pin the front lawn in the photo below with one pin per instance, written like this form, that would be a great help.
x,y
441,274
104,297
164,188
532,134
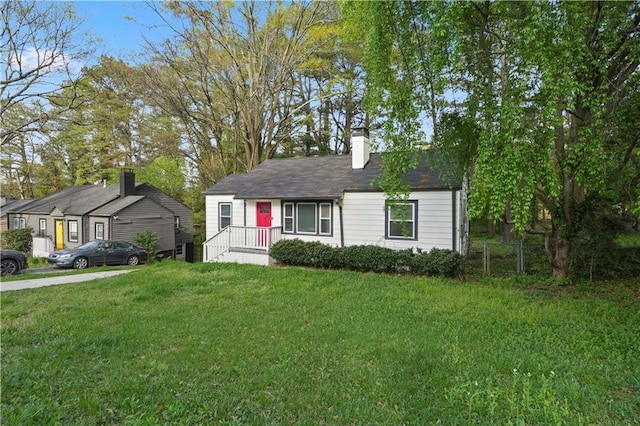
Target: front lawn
x,y
230,344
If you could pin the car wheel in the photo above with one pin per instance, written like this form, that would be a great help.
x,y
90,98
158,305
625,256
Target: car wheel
x,y
133,260
80,263
8,267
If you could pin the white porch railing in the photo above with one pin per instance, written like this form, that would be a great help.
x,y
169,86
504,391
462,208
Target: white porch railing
x,y
42,246
240,237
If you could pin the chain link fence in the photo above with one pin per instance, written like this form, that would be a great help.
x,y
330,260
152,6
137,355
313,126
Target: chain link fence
x,y
498,258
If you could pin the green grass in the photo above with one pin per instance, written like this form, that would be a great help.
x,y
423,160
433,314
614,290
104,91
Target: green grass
x,y
37,262
232,344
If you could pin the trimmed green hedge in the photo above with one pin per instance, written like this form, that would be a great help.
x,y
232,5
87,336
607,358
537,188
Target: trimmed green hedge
x,y
367,258
17,239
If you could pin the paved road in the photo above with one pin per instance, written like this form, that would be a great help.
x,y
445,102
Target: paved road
x,y
65,279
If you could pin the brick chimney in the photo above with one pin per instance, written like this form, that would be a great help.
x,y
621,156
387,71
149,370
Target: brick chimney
x,y
359,147
127,183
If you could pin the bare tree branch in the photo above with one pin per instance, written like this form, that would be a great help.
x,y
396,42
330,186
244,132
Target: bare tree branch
x,y
41,57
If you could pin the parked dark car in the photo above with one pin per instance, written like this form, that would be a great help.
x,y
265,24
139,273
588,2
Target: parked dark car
x,y
12,262
99,252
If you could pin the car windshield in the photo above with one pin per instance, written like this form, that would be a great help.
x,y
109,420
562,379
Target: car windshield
x,y
91,245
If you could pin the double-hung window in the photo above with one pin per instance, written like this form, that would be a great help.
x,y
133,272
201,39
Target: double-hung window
x,y
307,217
99,231
42,228
325,219
402,220
288,217
224,215
73,231
19,223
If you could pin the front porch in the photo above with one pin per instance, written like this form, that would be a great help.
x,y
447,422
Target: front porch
x,y
42,246
242,244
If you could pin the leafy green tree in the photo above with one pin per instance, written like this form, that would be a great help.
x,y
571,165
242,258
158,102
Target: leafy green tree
x,y
115,128
147,240
551,87
165,174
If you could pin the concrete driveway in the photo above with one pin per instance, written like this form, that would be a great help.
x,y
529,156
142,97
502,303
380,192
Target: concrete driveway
x,y
65,279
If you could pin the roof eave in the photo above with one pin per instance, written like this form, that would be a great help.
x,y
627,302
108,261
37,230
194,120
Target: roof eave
x,y
289,197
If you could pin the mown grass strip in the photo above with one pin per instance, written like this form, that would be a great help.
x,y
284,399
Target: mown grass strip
x,y
211,343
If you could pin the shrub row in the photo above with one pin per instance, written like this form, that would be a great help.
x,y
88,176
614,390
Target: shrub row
x,y
17,239
367,258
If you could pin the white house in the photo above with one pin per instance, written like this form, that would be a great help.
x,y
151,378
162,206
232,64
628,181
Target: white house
x,y
334,200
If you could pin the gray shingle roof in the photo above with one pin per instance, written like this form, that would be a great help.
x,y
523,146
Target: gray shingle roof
x,y
319,177
74,200
13,204
117,205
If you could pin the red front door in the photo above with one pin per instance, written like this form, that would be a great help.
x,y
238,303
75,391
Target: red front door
x,y
263,220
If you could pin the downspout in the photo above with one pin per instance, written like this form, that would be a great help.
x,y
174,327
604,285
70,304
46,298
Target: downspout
x,y
86,228
339,203
453,219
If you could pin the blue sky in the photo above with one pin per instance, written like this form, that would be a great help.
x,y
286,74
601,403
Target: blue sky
x,y
120,24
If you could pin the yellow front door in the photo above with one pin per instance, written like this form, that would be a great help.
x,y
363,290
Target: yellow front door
x,y
59,234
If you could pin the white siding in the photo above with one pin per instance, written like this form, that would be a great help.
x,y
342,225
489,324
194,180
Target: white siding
x,y
363,216
364,220
211,213
237,213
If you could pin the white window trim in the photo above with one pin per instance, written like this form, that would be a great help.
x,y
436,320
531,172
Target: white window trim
x,y
220,216
414,228
318,219
74,222
285,217
321,218
96,230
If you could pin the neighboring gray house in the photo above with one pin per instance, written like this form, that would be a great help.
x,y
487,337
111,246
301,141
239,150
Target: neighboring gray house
x,y
333,200
4,205
79,214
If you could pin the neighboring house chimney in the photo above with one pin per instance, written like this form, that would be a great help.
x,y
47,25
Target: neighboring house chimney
x,y
359,147
127,183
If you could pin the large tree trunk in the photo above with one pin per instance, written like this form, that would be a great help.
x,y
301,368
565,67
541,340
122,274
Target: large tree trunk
x,y
561,256
507,226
